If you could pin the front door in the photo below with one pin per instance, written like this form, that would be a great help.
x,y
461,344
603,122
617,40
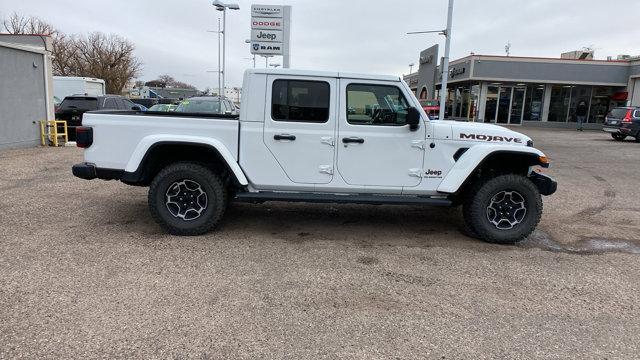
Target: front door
x,y
299,127
375,145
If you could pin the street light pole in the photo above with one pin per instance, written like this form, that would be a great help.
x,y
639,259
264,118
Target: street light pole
x,y
219,74
220,6
224,49
445,62
445,59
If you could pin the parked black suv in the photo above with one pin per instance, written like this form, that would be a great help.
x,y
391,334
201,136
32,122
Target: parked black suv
x,y
622,122
72,108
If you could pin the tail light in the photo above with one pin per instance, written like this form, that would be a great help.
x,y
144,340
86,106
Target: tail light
x,y
84,136
627,118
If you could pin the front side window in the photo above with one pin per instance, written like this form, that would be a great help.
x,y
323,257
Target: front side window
x,y
376,105
300,101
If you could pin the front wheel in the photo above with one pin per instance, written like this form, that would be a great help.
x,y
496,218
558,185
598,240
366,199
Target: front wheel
x,y
503,210
187,199
618,137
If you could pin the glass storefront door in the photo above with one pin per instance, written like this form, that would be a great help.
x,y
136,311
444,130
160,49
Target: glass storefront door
x,y
492,104
504,101
517,105
505,104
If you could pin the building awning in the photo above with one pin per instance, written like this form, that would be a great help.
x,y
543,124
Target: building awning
x,y
620,96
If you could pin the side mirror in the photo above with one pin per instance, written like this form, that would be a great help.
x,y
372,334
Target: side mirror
x,y
413,118
136,108
228,112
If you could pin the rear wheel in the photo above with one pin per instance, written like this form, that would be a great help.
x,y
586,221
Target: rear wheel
x,y
504,210
618,137
187,199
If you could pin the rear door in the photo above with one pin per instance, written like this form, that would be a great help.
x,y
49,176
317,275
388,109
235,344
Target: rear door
x,y
376,146
299,127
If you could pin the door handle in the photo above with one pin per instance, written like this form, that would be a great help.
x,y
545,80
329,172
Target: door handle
x,y
284,137
356,140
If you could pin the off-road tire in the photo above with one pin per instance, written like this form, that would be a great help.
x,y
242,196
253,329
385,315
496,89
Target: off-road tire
x,y
475,209
210,183
618,137
467,227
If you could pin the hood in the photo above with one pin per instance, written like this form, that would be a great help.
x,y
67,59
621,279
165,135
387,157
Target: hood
x,y
484,133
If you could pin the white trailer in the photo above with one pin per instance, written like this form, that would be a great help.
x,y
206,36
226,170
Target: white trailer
x,y
64,86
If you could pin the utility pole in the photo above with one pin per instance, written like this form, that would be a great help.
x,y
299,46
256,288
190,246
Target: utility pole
x,y
411,68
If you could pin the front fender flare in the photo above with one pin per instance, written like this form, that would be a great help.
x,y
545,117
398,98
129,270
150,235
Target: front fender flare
x,y
149,141
473,158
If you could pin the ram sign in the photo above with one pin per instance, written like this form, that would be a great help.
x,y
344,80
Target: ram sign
x,y
270,30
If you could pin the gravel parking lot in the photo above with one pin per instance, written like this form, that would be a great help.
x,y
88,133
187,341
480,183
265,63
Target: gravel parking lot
x,y
86,273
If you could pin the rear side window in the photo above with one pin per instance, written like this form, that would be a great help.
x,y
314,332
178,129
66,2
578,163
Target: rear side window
x,y
79,103
637,115
121,104
300,101
110,103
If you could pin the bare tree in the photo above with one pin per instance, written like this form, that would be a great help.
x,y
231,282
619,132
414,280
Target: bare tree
x,y
108,57
19,24
169,81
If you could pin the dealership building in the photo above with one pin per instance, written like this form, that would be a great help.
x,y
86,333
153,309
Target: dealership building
x,y
528,90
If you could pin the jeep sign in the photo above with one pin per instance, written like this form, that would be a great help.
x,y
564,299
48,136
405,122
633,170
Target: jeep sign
x,y
266,35
270,30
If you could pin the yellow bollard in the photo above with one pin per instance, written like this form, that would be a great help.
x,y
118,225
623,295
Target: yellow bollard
x,y
43,130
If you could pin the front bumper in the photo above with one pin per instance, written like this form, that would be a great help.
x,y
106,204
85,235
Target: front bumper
x,y
545,184
89,171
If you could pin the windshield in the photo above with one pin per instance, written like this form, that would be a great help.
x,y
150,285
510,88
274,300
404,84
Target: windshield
x,y
162,107
429,102
79,103
210,106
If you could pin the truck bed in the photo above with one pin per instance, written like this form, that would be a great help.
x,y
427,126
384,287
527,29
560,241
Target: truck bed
x,y
122,138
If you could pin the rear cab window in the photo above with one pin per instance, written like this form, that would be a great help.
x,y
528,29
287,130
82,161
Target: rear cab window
x,y
83,103
618,113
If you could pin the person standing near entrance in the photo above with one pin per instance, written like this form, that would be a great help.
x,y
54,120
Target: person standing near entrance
x,y
581,114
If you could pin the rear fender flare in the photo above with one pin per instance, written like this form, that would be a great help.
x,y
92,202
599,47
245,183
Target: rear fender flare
x,y
149,141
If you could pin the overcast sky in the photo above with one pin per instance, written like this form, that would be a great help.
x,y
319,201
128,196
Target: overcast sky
x,y
352,35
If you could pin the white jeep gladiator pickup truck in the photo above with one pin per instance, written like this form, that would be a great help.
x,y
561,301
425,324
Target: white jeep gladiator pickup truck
x,y
325,137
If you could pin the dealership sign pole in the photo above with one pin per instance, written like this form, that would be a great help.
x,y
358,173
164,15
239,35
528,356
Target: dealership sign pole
x,y
270,31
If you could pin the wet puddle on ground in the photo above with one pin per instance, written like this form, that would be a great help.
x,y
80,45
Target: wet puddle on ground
x,y
588,246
